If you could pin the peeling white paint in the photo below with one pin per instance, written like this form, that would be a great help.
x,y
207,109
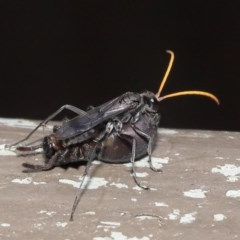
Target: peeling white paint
x,y
233,193
6,152
96,162
142,174
39,183
39,225
5,225
228,170
90,213
27,180
49,213
108,225
158,162
188,218
119,185
160,204
137,188
174,215
219,217
144,162
146,217
89,183
61,224
120,236
195,193
167,131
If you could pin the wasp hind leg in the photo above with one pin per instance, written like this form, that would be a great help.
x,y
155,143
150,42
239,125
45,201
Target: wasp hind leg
x,y
133,156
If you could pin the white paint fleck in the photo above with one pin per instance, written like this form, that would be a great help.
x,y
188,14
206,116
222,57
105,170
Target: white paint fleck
x,y
27,180
195,193
144,162
233,193
142,174
231,137
174,215
119,185
49,213
137,188
89,183
146,217
5,225
61,224
188,218
108,225
38,225
134,199
120,236
90,213
219,217
160,204
228,170
6,152
221,158
39,183
158,162
96,162
167,131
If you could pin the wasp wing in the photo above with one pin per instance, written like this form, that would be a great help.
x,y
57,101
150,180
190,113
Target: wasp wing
x,y
95,116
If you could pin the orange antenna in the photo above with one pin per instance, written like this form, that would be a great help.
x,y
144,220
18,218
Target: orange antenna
x,y
183,93
166,73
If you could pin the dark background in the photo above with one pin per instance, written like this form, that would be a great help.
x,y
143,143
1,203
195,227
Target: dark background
x,y
88,52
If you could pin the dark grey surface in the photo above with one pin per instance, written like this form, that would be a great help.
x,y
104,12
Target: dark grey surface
x,y
37,205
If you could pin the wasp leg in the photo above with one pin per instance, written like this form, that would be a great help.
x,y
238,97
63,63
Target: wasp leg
x,y
149,150
44,122
80,191
93,155
133,140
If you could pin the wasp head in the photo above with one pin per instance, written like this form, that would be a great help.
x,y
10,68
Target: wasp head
x,y
50,146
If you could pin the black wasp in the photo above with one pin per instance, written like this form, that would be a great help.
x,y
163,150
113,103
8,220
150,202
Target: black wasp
x,y
119,131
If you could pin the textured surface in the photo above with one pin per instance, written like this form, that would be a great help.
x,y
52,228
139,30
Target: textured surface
x,y
197,196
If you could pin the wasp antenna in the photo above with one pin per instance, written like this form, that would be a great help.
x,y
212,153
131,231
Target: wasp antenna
x,y
166,73
193,92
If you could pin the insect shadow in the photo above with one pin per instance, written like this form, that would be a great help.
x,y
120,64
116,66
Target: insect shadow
x,y
121,130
